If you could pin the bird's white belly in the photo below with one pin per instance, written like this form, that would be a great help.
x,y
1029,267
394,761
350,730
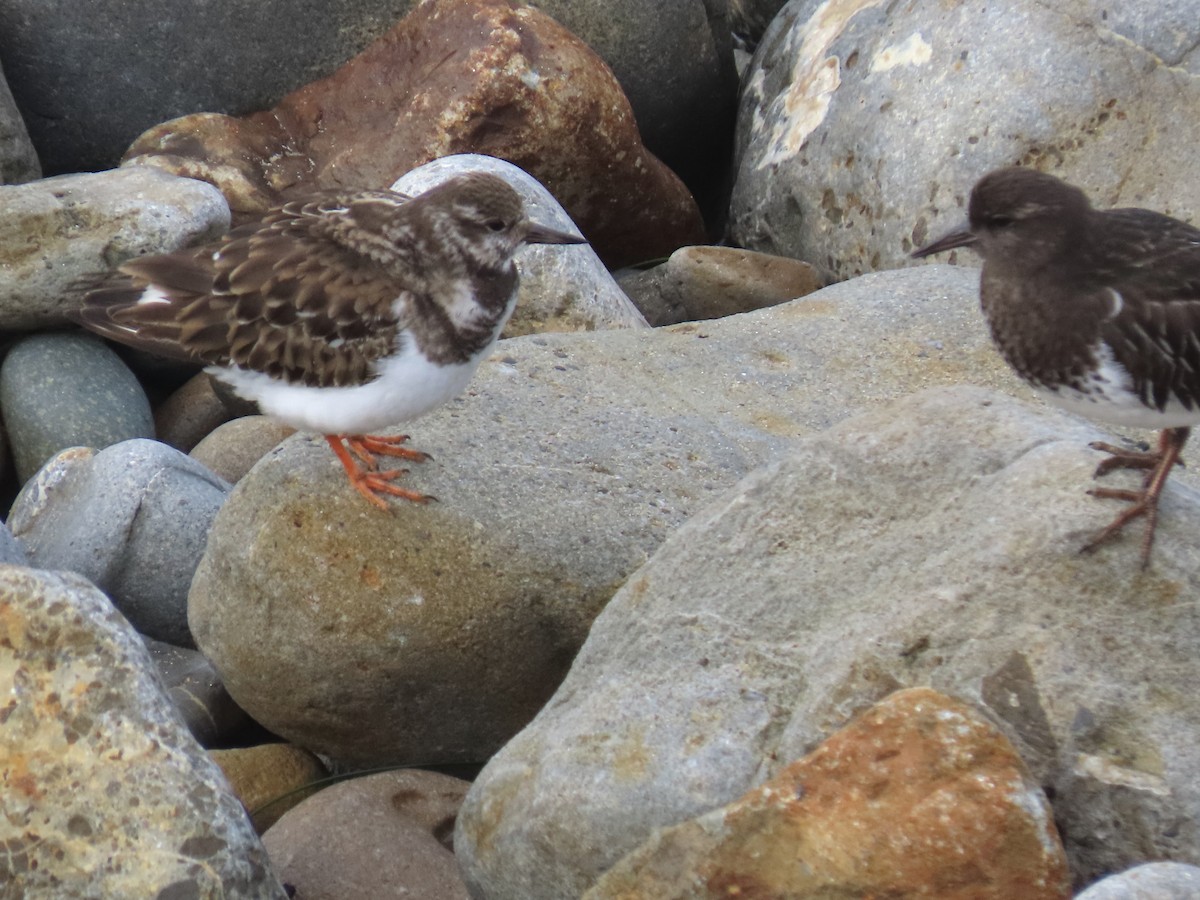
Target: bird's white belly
x,y
408,386
1109,398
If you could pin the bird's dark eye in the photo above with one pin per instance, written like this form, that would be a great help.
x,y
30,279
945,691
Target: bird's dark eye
x,y
496,225
999,221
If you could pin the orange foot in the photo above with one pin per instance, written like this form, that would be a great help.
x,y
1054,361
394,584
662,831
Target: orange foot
x,y
366,478
1144,502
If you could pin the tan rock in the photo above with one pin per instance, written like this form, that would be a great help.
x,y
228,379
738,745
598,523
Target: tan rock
x,y
270,779
711,282
454,76
381,835
190,413
918,797
232,449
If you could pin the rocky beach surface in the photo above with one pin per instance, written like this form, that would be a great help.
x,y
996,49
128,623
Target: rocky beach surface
x,y
754,570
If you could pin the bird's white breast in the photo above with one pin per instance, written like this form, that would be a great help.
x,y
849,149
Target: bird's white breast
x,y
1108,396
408,386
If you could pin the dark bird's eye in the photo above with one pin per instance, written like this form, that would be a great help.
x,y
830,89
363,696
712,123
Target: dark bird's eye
x,y
496,225
999,221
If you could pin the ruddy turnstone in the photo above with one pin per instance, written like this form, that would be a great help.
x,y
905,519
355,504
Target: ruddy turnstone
x,y
343,314
1099,310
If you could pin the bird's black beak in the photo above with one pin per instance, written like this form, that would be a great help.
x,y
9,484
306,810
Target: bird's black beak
x,y
540,234
960,238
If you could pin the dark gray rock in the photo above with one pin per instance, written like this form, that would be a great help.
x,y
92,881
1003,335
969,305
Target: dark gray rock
x,y
106,794
89,84
863,125
133,519
60,231
18,161
196,690
62,390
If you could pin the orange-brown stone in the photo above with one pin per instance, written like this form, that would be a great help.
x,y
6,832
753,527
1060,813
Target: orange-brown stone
x,y
919,797
454,76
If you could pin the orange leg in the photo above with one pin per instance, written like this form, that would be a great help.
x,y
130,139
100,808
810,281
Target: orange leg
x,y
366,478
1145,501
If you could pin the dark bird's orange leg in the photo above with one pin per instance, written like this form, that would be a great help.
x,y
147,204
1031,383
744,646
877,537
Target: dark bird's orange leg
x,y
1145,501
366,478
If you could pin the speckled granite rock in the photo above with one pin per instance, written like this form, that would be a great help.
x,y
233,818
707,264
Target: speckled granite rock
x,y
132,518
105,792
455,76
58,231
60,390
864,124
919,796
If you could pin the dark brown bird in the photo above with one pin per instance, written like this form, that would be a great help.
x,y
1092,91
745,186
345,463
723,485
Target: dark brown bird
x,y
340,315
1099,310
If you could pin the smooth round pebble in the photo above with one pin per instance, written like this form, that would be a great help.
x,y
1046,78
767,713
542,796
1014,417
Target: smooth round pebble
x,y
66,389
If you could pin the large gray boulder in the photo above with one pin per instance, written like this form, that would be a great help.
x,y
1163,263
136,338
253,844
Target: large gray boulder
x,y
864,124
935,542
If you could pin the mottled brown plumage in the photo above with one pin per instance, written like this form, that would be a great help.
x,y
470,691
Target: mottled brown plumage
x,y
1098,309
344,313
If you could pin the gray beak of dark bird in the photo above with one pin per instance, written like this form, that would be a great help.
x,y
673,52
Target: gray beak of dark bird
x,y
540,234
959,238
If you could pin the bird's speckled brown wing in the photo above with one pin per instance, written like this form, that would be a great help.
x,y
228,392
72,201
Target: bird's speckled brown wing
x,y
1156,333
294,296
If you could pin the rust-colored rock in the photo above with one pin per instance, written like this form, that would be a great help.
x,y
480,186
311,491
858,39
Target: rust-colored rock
x,y
919,797
454,76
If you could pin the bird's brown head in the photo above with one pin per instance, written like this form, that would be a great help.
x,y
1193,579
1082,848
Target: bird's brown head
x,y
1018,215
482,216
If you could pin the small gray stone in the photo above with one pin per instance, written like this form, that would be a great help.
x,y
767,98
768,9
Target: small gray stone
x,y
18,161
196,690
59,231
1152,881
60,390
133,518
105,792
562,288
